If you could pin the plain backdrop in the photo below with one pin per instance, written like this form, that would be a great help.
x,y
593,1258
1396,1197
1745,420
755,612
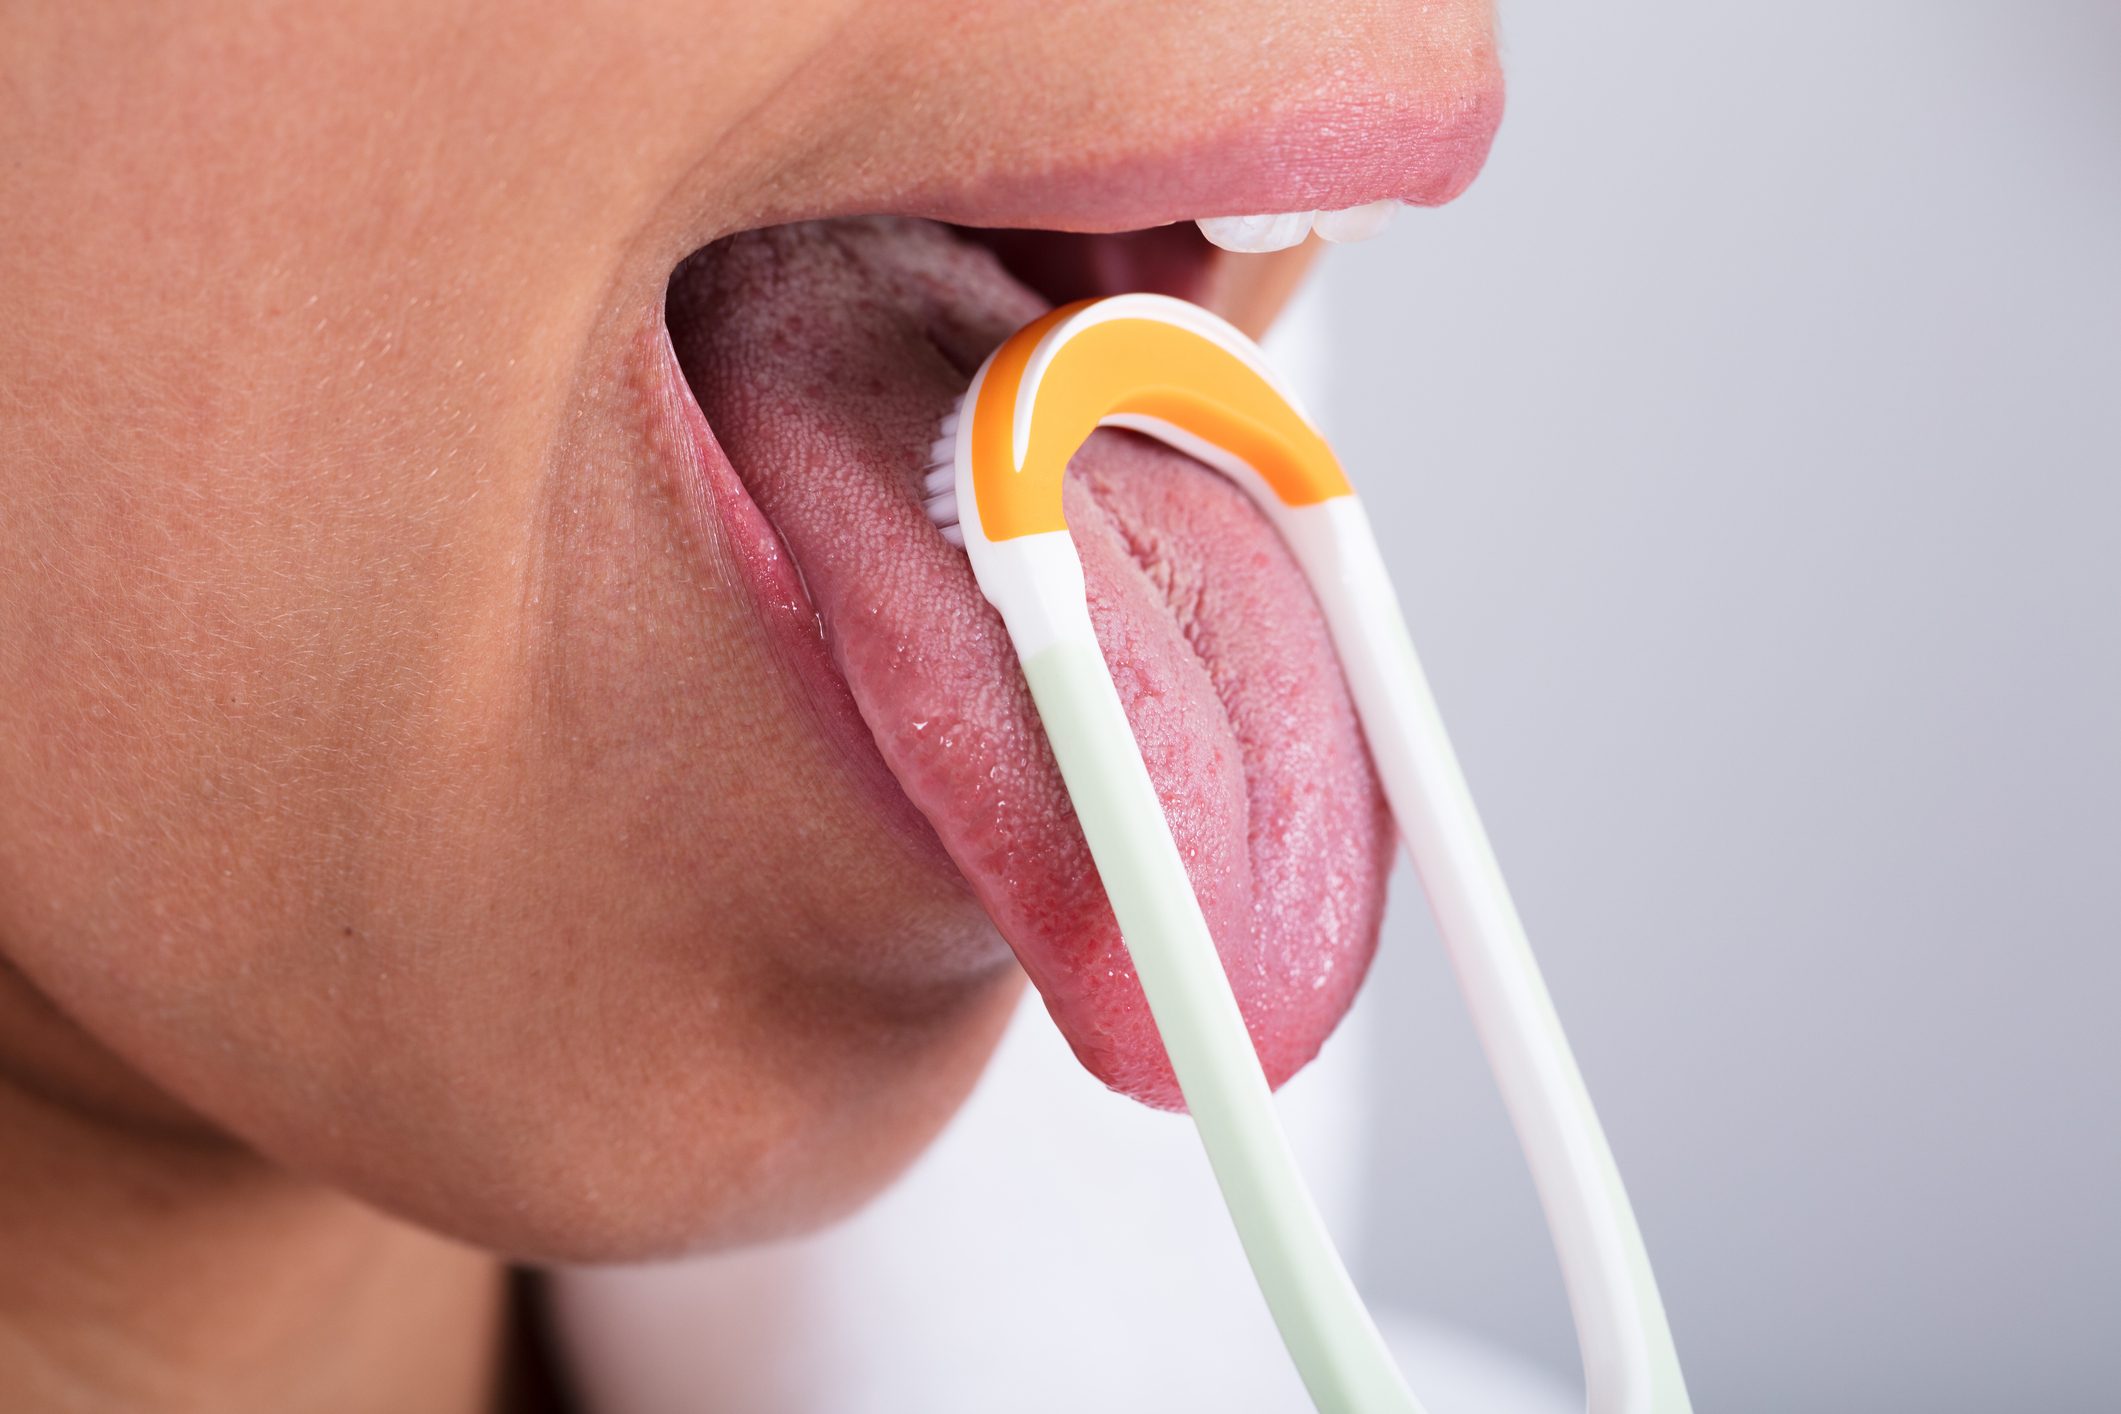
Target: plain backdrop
x,y
1748,445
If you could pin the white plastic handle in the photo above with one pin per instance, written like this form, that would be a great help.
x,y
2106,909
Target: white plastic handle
x,y
1630,1365
1336,1347
1036,582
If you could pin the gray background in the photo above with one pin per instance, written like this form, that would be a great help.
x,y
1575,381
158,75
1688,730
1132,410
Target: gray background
x,y
1747,443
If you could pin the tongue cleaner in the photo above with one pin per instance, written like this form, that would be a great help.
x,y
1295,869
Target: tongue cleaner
x,y
1179,374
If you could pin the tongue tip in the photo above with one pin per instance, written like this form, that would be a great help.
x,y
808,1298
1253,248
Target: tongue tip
x,y
1149,1080
1118,1043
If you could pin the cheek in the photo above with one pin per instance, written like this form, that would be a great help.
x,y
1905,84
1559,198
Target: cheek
x,y
517,891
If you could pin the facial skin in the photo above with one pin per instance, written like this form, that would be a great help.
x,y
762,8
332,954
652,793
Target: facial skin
x,y
392,786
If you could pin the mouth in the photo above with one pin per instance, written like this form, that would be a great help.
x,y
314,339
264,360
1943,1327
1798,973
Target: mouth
x,y
822,356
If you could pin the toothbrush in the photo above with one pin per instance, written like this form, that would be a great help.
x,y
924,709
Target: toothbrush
x,y
1179,374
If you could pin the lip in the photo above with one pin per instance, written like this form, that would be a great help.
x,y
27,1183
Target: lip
x,y
739,543
1350,121
1422,151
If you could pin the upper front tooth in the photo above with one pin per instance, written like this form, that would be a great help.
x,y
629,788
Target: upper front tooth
x,y
1255,234
1357,223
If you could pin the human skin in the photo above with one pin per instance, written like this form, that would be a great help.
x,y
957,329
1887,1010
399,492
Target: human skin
x,y
395,800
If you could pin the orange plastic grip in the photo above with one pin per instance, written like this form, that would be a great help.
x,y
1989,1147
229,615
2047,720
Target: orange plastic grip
x,y
1144,367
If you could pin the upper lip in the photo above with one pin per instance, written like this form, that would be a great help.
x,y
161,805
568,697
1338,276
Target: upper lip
x,y
1422,153
1418,137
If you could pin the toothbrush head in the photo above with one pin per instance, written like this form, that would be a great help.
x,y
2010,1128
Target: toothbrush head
x,y
1151,363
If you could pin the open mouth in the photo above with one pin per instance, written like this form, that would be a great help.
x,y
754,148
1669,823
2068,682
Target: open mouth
x,y
823,355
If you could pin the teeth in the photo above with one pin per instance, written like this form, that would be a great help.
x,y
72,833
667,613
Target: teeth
x,y
1253,235
1357,223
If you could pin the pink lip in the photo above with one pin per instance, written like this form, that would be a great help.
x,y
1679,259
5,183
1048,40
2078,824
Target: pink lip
x,y
1416,130
1383,147
742,544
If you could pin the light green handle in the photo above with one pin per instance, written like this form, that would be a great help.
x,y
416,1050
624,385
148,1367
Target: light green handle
x,y
1336,1346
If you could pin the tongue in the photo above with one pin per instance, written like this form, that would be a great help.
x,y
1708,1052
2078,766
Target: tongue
x,y
823,357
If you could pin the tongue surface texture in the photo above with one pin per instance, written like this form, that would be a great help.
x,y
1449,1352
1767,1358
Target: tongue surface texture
x,y
824,356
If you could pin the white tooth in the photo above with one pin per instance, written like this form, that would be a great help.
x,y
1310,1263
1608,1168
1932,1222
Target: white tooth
x,y
1357,223
1254,235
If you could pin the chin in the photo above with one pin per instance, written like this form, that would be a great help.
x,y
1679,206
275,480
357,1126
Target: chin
x,y
671,1147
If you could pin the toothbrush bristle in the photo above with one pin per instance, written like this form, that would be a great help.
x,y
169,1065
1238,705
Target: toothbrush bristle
x,y
939,482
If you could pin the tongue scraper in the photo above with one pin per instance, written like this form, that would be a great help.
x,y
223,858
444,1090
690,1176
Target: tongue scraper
x,y
1181,375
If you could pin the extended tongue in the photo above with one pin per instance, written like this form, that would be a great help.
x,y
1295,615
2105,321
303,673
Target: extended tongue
x,y
823,357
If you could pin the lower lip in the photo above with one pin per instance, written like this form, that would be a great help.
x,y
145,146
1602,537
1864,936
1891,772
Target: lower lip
x,y
738,543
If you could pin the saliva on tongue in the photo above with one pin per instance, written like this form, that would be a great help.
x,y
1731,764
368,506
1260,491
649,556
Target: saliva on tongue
x,y
824,356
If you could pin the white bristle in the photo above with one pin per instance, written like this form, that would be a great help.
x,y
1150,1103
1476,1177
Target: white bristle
x,y
939,483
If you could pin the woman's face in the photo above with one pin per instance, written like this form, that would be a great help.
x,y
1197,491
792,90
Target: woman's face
x,y
492,749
